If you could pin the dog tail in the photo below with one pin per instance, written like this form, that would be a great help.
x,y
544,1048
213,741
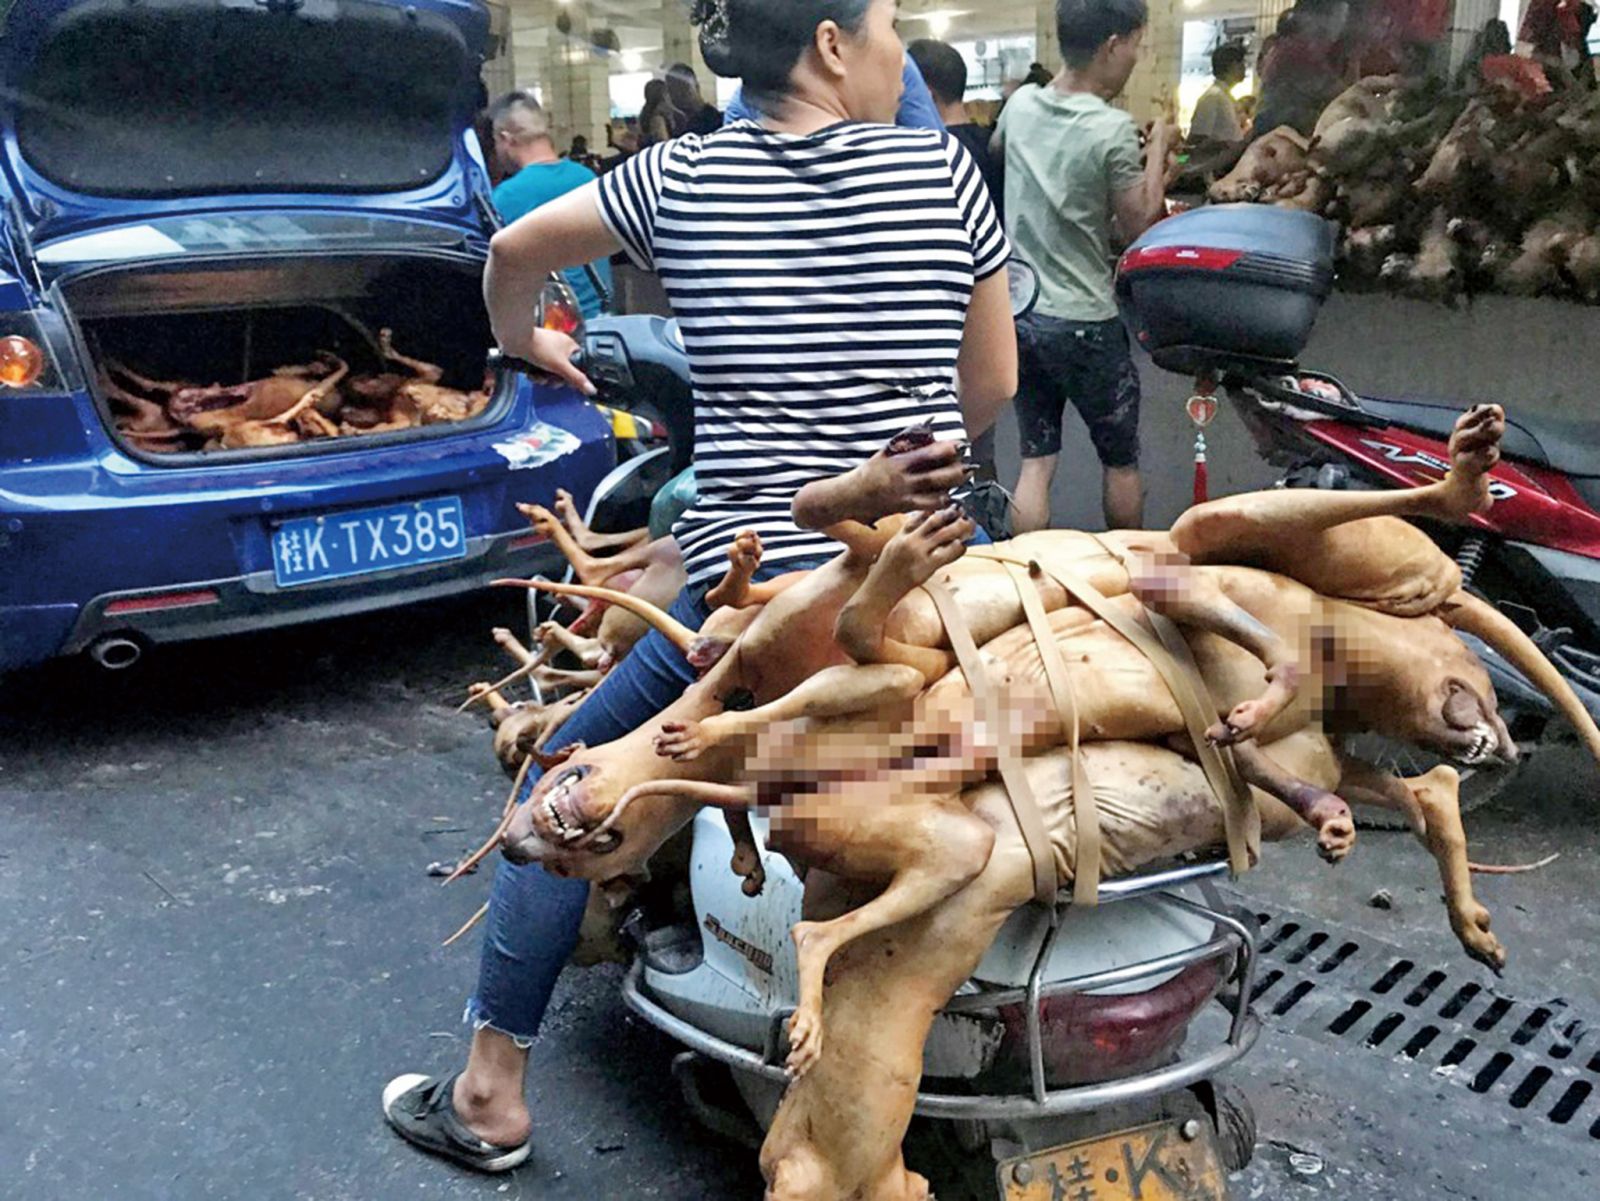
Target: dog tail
x,y
1466,612
680,635
1513,869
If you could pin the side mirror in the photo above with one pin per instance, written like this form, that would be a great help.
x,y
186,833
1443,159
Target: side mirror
x,y
1024,282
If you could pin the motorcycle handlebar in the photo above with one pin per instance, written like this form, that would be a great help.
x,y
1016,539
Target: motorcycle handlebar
x,y
500,361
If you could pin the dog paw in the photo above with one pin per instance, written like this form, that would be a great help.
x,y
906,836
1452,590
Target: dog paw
x,y
1223,734
1472,928
541,519
566,509
1336,829
745,554
1474,452
926,543
687,741
683,740
747,863
805,1041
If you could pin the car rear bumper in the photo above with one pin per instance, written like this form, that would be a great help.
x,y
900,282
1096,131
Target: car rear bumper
x,y
213,608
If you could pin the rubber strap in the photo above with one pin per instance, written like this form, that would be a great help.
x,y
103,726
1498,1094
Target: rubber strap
x,y
1086,809
1241,819
1019,790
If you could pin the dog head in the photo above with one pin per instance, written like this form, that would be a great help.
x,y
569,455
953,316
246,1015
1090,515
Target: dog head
x,y
578,822
1439,697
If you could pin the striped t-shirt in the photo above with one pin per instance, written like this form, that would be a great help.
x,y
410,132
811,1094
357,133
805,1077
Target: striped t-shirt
x,y
821,282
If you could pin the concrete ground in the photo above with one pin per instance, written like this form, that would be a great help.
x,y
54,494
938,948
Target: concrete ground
x,y
221,941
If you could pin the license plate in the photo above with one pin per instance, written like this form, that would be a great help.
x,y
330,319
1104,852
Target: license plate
x,y
337,545
1152,1163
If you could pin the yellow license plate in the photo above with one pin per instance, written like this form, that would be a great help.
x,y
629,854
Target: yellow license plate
x,y
1152,1163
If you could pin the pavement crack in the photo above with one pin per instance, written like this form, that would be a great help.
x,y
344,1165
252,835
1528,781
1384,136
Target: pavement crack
x,y
170,895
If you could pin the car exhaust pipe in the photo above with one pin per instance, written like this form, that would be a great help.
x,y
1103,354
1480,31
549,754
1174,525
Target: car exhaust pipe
x,y
116,654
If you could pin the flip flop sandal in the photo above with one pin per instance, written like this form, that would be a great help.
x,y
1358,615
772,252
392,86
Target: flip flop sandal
x,y
421,1111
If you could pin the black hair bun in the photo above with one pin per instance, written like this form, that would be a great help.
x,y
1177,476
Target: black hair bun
x,y
716,36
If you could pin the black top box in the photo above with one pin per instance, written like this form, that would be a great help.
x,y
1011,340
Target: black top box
x,y
1233,287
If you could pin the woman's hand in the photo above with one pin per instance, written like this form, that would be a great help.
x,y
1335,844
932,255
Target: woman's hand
x,y
552,353
883,485
917,479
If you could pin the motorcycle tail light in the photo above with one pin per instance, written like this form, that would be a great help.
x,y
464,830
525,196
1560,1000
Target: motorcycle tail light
x,y
1089,1039
22,362
559,309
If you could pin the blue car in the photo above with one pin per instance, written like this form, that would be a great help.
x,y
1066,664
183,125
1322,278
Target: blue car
x,y
204,192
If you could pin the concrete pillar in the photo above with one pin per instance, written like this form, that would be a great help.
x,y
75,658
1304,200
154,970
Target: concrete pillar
x,y
499,70
680,43
573,79
1153,89
1048,49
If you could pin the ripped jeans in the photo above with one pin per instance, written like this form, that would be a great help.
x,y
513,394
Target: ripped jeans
x,y
533,921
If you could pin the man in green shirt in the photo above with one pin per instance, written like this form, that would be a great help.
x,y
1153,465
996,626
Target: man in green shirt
x,y
1073,167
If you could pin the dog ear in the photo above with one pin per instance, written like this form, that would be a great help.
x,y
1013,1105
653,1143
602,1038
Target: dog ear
x,y
619,891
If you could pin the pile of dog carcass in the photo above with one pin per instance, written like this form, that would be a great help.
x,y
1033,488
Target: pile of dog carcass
x,y
1441,193
319,399
974,728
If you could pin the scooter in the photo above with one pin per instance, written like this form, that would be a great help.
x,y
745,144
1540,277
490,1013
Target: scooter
x,y
1079,1060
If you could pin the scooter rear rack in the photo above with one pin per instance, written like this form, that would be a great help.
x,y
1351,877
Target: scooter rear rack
x,y
1234,943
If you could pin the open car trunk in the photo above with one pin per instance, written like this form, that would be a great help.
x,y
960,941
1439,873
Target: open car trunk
x,y
184,97
285,357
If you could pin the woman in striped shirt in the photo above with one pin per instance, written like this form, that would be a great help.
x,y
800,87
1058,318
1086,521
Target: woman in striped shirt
x,y
836,280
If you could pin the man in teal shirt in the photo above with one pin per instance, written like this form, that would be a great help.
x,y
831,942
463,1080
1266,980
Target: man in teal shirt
x,y
1075,175
534,175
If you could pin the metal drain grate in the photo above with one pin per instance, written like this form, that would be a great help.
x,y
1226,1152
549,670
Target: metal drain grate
x,y
1540,1059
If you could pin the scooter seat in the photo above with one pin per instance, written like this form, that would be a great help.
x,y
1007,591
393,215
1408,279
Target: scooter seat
x,y
1572,447
1569,446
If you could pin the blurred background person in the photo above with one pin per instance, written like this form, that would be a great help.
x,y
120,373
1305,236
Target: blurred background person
x,y
683,91
945,72
579,153
1493,41
659,120
1216,116
533,174
1303,67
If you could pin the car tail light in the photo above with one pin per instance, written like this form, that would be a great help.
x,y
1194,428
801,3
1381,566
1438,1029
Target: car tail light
x,y
21,362
27,363
559,309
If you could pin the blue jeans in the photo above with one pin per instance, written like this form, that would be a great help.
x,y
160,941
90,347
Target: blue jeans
x,y
534,917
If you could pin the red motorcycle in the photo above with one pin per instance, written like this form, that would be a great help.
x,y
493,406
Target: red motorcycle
x,y
1228,295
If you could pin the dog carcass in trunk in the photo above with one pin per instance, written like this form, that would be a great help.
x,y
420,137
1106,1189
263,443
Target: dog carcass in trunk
x,y
293,354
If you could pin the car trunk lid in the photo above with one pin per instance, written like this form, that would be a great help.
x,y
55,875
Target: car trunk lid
x,y
117,114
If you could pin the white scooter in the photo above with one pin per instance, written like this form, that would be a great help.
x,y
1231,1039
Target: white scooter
x,y
1076,1063
1067,1047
